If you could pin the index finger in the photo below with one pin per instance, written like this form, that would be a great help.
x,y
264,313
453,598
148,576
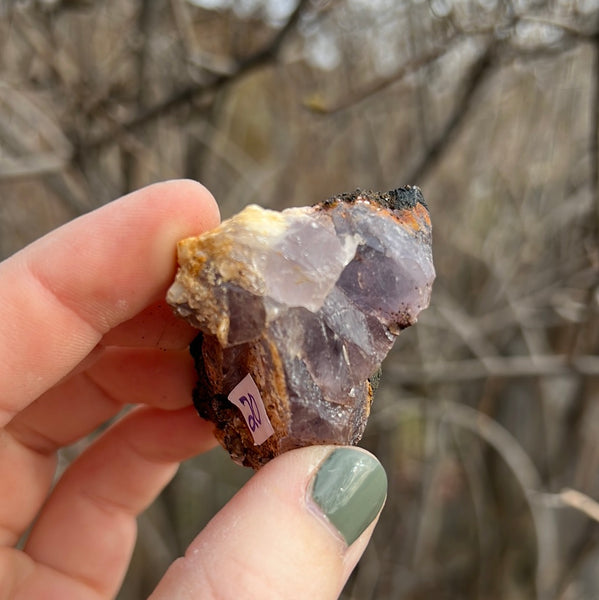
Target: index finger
x,y
61,294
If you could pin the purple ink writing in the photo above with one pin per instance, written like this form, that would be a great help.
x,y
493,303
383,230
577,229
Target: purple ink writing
x,y
246,397
254,419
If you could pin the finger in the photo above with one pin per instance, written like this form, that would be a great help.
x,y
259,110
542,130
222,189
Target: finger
x,y
75,408
296,530
95,503
23,489
145,376
75,284
82,402
156,326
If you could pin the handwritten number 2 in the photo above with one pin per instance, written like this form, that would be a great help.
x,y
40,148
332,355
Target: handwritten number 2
x,y
254,419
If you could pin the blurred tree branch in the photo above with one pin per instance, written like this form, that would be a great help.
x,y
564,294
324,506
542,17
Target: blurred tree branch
x,y
477,74
197,91
594,130
581,502
505,367
376,87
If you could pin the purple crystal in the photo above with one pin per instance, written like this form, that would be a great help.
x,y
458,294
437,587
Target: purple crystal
x,y
308,301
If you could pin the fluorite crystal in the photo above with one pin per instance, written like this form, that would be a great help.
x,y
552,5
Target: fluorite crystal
x,y
307,302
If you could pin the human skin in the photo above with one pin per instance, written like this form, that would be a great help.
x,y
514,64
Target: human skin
x,y
84,332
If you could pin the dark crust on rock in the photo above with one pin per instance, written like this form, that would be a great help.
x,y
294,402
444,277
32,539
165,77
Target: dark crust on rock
x,y
212,402
374,380
402,198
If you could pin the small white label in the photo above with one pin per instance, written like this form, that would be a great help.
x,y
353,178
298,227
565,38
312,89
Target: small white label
x,y
246,397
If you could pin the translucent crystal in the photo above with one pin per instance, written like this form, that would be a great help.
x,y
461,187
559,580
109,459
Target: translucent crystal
x,y
308,301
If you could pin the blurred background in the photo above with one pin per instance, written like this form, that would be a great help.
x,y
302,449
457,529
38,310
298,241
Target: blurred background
x,y
487,419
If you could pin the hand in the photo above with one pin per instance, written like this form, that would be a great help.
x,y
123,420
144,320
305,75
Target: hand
x,y
84,332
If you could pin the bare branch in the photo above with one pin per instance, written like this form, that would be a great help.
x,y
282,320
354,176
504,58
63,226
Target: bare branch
x,y
197,91
378,86
567,28
594,130
36,165
580,502
496,366
519,462
479,72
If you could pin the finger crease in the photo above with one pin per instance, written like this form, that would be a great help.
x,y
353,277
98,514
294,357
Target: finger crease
x,y
106,393
32,439
152,460
88,584
107,505
40,280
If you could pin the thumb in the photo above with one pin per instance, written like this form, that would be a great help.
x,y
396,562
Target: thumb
x,y
295,530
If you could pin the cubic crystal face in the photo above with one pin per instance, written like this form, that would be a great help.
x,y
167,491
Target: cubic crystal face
x,y
308,302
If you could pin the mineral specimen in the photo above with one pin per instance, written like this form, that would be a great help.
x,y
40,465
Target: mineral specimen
x,y
296,311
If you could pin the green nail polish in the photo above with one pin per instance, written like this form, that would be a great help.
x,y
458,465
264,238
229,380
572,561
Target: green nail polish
x,y
350,488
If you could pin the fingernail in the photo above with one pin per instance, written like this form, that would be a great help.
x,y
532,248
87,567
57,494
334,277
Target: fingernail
x,y
350,488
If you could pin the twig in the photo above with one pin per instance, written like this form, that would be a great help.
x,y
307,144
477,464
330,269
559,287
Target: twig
x,y
580,502
477,75
517,460
464,325
36,165
51,165
378,86
60,64
180,10
494,366
29,113
594,129
567,28
196,91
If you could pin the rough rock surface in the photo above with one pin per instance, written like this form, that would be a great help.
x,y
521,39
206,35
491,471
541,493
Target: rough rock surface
x,y
308,302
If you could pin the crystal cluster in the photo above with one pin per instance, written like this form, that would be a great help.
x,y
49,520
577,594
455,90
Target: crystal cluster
x,y
308,302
